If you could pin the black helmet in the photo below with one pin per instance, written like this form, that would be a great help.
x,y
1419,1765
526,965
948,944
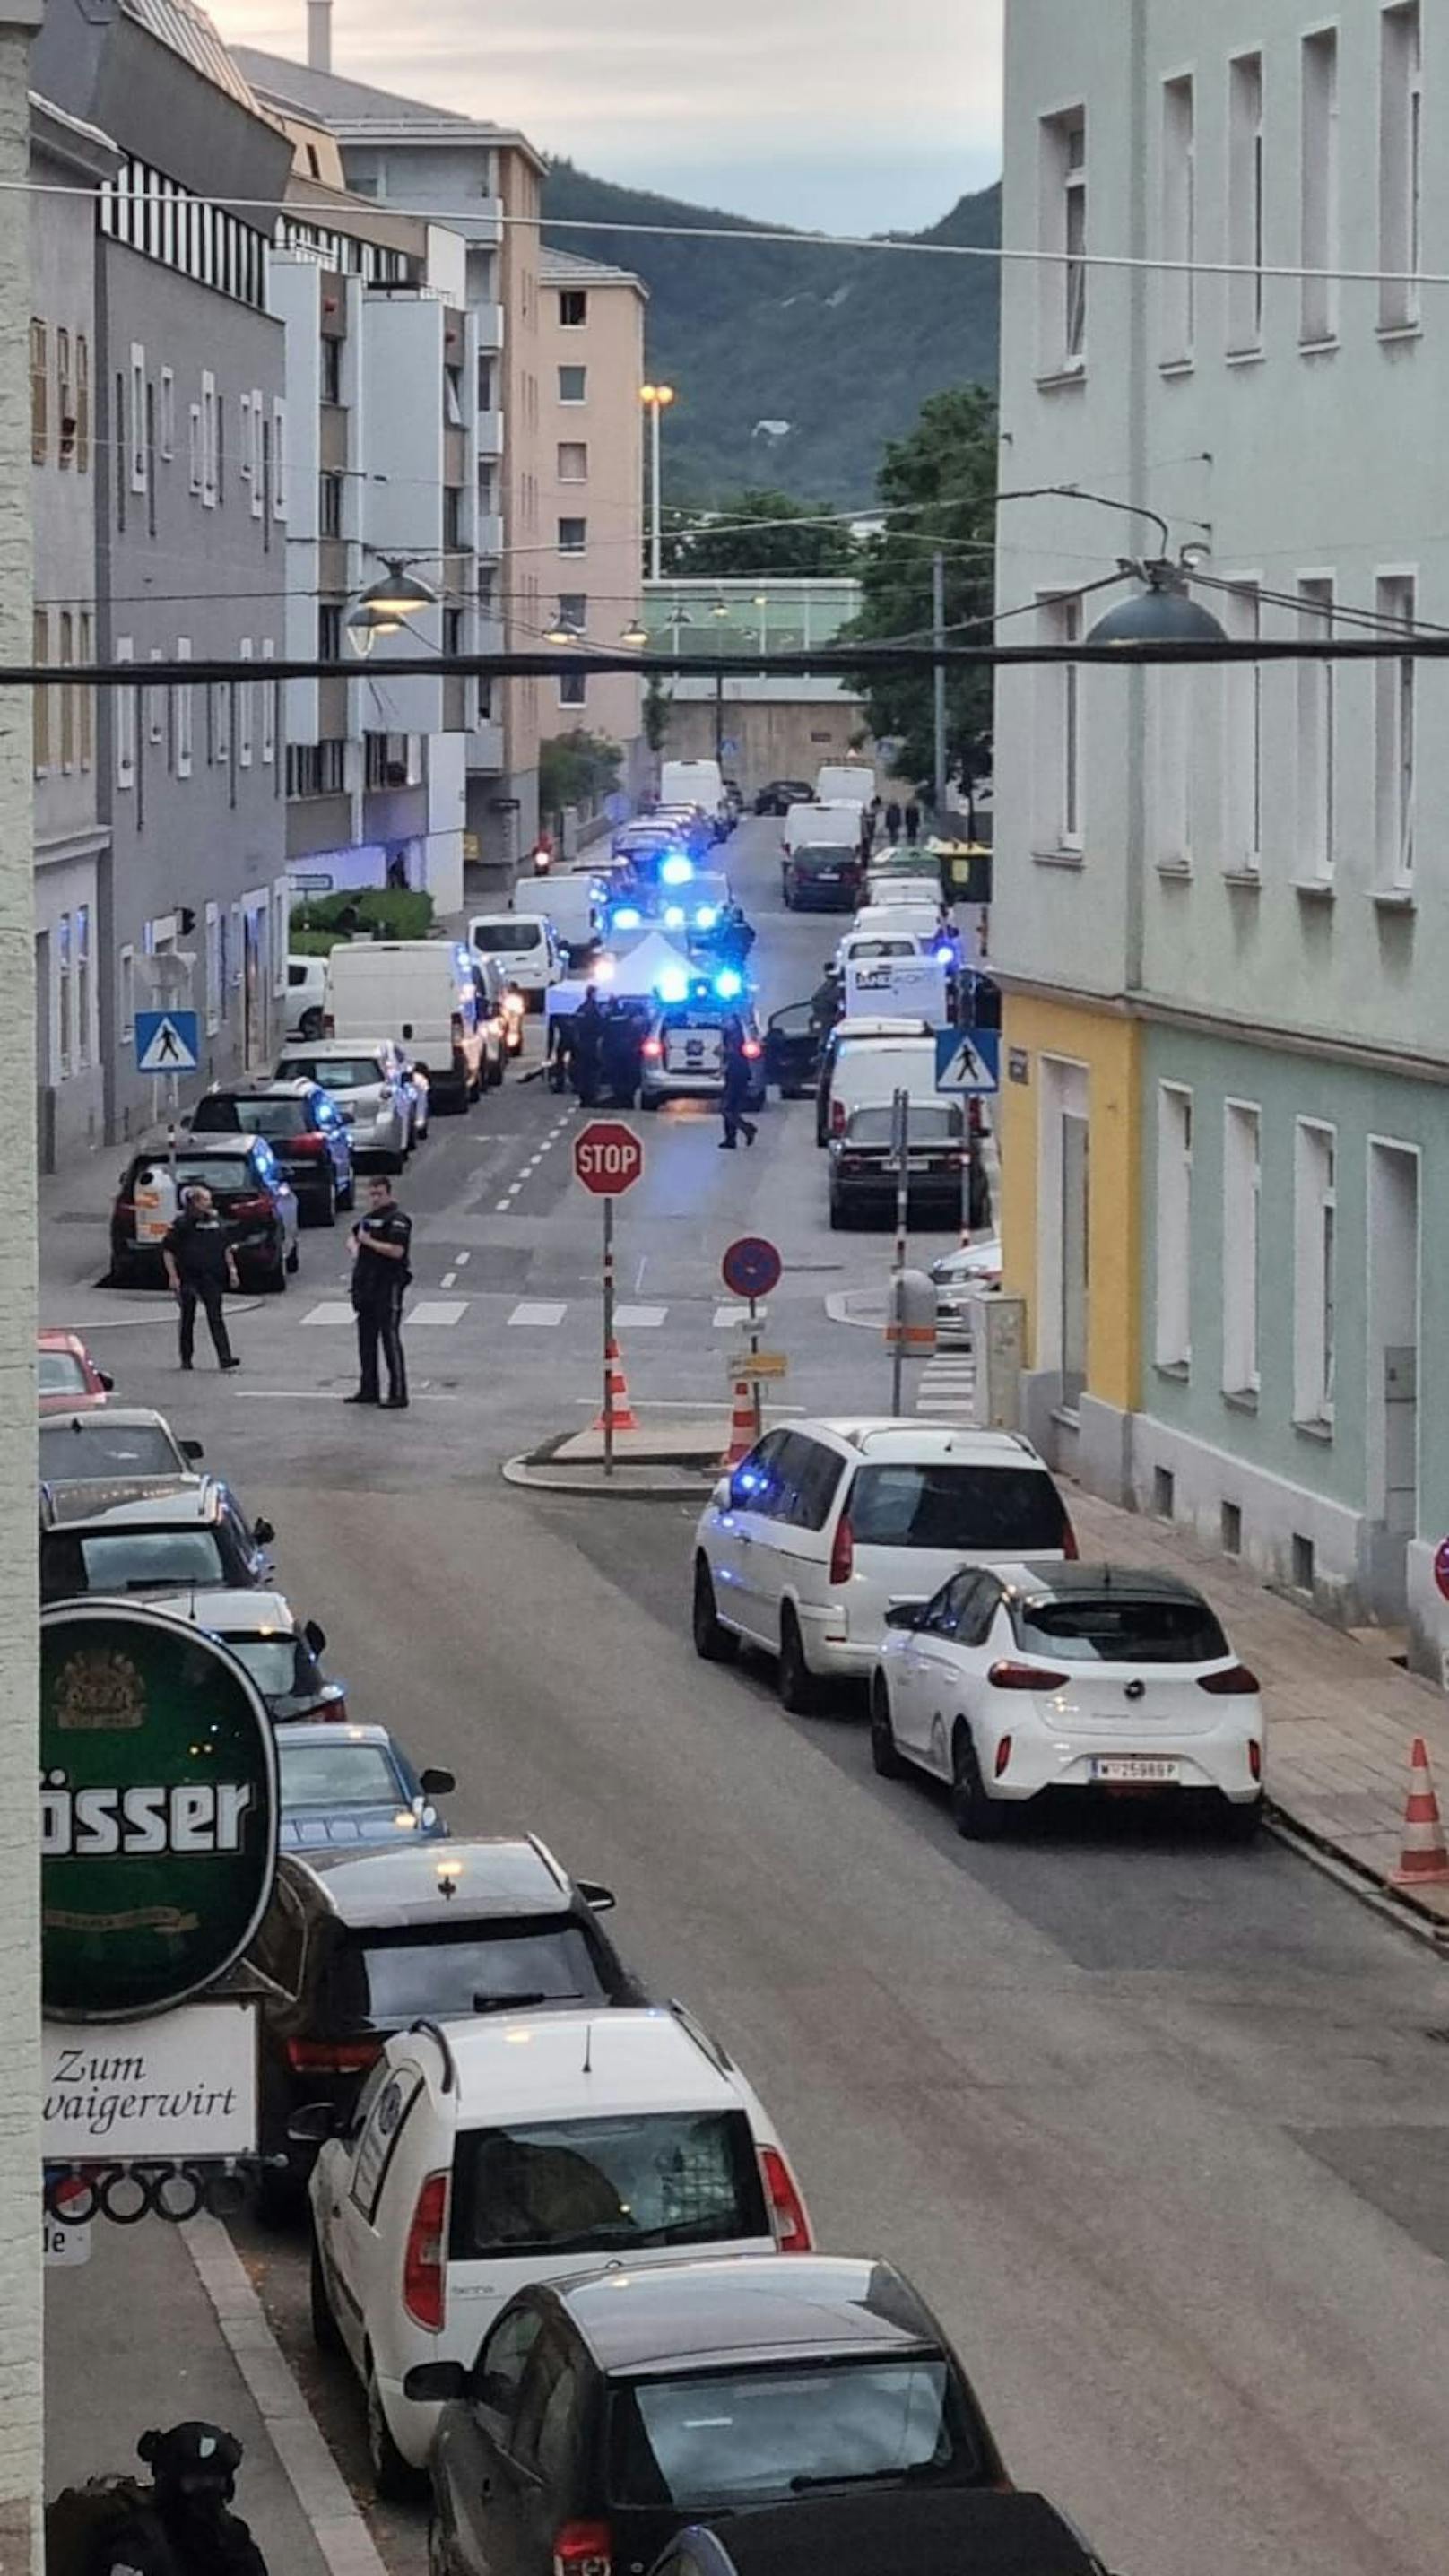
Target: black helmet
x,y
193,2459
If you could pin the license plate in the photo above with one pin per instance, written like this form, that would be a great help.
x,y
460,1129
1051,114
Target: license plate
x,y
1135,1766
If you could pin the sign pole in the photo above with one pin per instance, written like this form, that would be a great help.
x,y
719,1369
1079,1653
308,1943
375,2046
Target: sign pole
x,y
900,1138
754,1354
608,1337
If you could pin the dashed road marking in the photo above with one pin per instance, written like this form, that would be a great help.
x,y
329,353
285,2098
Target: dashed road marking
x,y
333,1310
639,1319
726,1318
449,1278
461,1260
541,1310
437,1310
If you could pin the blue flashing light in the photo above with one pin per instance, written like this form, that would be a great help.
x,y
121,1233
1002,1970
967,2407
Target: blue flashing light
x,y
728,983
674,917
676,870
672,985
945,950
628,917
707,916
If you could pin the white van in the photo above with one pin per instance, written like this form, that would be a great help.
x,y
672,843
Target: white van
x,y
526,947
421,991
809,825
846,782
692,782
868,1077
572,904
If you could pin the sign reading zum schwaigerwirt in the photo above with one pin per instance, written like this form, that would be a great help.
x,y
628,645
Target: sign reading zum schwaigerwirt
x,y
158,1810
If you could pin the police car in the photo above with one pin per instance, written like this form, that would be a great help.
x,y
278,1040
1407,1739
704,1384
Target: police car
x,y
684,1051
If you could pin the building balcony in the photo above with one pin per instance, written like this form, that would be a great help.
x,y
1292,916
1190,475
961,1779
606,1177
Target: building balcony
x,y
485,747
490,433
455,457
318,823
490,535
333,421
489,318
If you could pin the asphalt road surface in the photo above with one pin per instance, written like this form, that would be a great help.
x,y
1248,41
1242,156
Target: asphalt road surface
x,y
1159,2126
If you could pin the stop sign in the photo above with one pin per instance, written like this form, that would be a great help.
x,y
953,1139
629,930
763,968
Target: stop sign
x,y
608,1157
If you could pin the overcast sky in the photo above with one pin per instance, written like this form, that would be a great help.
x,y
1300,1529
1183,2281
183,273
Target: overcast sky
x,y
838,114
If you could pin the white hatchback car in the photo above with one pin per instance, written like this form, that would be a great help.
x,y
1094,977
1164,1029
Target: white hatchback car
x,y
517,2147
827,1526
1017,1679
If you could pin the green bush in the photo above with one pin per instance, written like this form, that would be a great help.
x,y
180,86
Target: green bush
x,y
389,912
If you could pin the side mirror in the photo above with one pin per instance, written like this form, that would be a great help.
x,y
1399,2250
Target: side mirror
x,y
263,1533
906,1614
436,1783
191,1449
105,1380
314,1637
432,2383
313,2122
600,1900
407,1029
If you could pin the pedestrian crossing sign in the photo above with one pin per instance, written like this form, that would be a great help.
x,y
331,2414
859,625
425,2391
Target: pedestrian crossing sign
x,y
167,1042
968,1060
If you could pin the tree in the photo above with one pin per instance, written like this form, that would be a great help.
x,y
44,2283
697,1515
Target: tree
x,y
657,703
576,768
752,535
939,488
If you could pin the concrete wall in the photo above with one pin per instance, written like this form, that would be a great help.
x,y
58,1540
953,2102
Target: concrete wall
x,y
777,737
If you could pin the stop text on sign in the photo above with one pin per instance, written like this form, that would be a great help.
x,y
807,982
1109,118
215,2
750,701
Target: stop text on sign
x,y
608,1158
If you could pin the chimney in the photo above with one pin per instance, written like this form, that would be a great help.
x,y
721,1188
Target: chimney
x,y
319,35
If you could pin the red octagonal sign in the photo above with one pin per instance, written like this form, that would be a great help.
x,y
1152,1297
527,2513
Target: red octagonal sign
x,y
608,1157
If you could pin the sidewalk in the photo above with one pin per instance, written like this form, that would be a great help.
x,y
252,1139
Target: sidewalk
x,y
1341,1716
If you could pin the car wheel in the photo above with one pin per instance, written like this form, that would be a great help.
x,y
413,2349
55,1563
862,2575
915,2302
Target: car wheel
x,y
712,1643
978,1818
799,1690
394,2477
324,2324
327,1212
1240,1824
292,1263
883,1751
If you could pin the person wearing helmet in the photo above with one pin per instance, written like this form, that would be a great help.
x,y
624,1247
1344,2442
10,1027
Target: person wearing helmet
x,y
181,2525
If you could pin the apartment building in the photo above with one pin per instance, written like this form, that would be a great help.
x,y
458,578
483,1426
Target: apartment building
x,y
591,465
69,160
1219,913
188,402
479,181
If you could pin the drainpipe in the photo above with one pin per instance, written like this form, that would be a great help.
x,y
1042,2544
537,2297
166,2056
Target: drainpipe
x,y
1137,678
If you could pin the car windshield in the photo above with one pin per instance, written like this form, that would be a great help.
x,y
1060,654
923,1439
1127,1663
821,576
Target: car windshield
x,y
441,1969
334,1072
226,1176
60,1373
577,2186
1113,1629
882,947
95,1444
987,1510
337,1775
252,1117
738,2437
141,1560
505,938
281,1667
929,1125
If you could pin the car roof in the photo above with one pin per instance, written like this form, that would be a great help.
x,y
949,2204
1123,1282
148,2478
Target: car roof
x,y
602,2061
755,2305
1075,1581
116,1417
326,1731
416,1883
222,1147
855,1030
227,1612
135,1502
59,1337
930,2531
885,1438
326,1047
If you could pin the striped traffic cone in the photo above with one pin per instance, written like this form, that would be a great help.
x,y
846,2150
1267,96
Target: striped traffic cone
x,y
742,1425
1425,1861
616,1392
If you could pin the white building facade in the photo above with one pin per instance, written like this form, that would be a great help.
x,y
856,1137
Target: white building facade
x,y
1221,911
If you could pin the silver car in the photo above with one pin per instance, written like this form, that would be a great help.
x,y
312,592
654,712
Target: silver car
x,y
370,1082
958,1278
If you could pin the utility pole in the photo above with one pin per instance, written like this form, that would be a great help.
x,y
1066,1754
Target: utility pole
x,y
22,2478
938,638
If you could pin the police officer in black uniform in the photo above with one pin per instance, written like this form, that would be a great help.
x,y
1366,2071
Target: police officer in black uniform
x,y
200,1266
379,1244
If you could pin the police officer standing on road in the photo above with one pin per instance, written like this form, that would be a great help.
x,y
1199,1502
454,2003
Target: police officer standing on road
x,y
379,1244
200,1265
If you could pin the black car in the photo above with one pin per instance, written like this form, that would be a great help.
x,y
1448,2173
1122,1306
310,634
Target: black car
x,y
863,1178
357,1945
252,1194
608,2411
823,876
928,2531
154,1535
782,793
307,1133
793,1043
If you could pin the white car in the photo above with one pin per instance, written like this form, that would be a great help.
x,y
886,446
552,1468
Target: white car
x,y
370,1081
959,1278
825,1528
526,947
306,996
521,2146
1016,1679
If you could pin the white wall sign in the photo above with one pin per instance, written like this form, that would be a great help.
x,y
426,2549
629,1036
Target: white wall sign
x,y
908,988
182,2084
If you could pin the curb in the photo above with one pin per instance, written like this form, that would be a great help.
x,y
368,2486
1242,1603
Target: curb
x,y
1388,1903
585,1479
323,2495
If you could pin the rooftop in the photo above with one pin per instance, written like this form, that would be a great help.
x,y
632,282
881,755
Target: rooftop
x,y
188,31
755,2304
567,268
359,113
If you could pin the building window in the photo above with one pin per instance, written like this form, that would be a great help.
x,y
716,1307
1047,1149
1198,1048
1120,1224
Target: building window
x,y
573,689
453,397
213,969
1315,1213
1179,220
329,505
1317,738
1245,203
125,706
1058,768
81,964
573,461
126,991
573,608
329,633
573,384
317,768
86,654
65,396
1174,1226
1243,731
1401,166
210,442
65,1048
246,693
82,403
573,536
1062,224
1318,182
269,710
331,369
452,518
1242,1181
136,417
1395,727
39,392
166,436
183,720
279,457
40,698
573,308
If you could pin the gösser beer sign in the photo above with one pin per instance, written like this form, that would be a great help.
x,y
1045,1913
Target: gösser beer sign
x,y
158,1810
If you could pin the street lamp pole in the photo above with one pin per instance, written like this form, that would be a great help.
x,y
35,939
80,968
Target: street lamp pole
x,y
657,398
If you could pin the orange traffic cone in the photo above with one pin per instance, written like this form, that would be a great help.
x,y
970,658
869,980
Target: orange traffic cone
x,y
742,1425
616,1396
1425,1861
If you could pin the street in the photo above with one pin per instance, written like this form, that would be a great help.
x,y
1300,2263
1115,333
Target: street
x,y
1159,2127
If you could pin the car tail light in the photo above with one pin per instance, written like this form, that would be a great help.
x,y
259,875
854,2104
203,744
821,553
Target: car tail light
x,y
1070,1548
583,2549
425,2276
652,1049
333,2056
1236,1682
256,1203
1003,1756
306,1144
788,2221
751,1048
1025,1677
842,1552
837,1118
1255,1757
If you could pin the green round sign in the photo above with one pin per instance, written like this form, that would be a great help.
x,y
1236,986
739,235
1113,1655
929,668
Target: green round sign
x,y
158,1810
